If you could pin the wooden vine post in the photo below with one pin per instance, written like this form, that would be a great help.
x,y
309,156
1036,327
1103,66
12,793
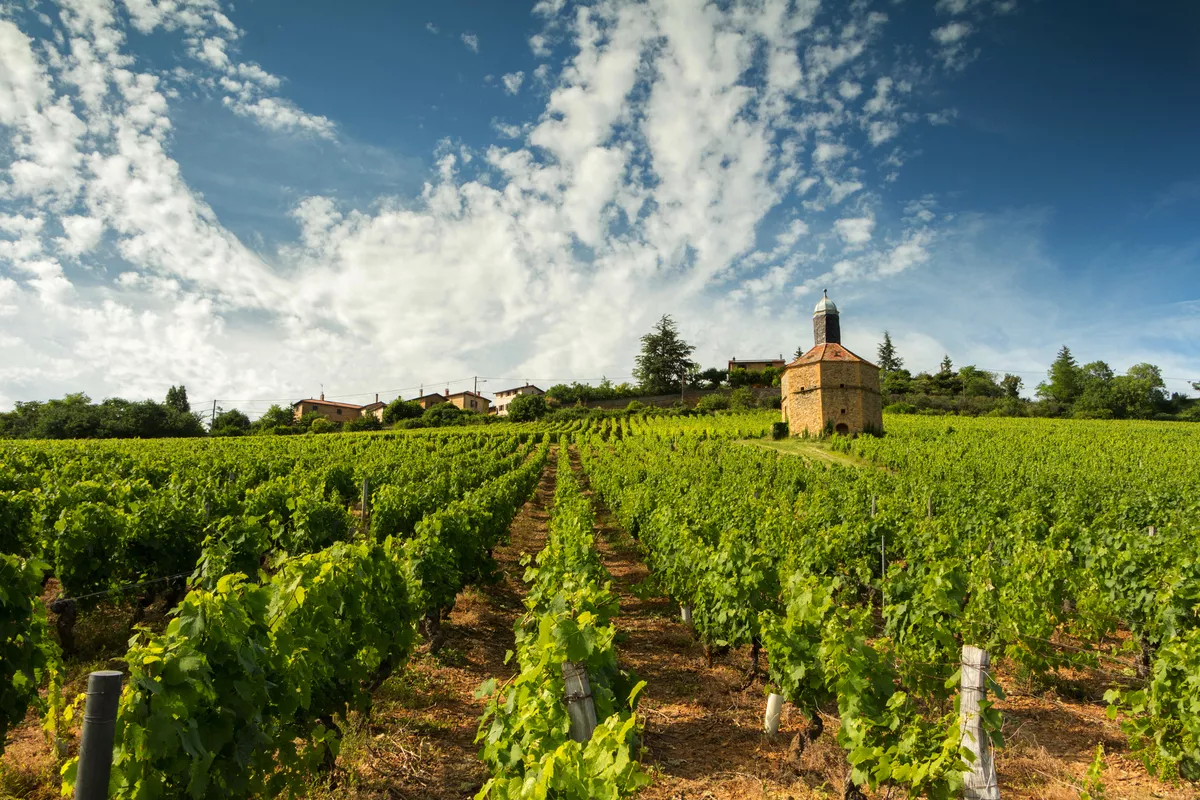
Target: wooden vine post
x,y
578,694
979,781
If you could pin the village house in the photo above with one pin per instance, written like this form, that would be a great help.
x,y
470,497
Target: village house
x,y
470,401
374,409
830,389
428,401
503,398
330,410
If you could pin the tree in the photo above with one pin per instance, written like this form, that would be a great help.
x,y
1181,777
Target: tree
x,y
888,360
444,414
947,366
897,381
1011,385
1196,385
664,363
1066,379
275,417
400,409
230,423
177,399
799,352
527,408
978,383
1140,391
714,377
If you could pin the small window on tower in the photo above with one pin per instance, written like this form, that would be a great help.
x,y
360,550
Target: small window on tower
x,y
841,386
843,411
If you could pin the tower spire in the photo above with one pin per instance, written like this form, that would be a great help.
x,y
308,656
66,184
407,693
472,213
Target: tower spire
x,y
827,328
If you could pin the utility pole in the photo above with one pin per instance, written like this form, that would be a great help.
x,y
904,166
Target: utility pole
x,y
212,422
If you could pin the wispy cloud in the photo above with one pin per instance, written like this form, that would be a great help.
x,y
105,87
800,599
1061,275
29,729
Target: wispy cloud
x,y
471,41
512,82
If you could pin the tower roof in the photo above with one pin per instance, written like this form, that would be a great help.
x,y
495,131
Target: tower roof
x,y
830,351
825,306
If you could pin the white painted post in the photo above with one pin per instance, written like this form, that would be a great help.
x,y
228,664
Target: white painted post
x,y
774,709
1152,531
686,613
979,780
580,708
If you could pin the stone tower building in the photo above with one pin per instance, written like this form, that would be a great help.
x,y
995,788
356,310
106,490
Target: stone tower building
x,y
830,388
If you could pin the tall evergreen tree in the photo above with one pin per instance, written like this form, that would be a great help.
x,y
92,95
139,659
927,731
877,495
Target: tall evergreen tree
x,y
888,360
177,399
664,363
1066,379
947,366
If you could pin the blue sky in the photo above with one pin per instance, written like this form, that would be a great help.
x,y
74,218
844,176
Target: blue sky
x,y
263,199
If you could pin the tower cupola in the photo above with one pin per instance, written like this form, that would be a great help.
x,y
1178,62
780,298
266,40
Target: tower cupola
x,y
827,328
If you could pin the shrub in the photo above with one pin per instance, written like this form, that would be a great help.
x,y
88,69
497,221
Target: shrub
x,y
779,430
399,409
367,422
741,399
634,407
771,401
527,408
713,402
320,425
900,408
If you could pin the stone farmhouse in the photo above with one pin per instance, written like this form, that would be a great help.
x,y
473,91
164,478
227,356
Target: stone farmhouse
x,y
428,401
503,398
470,401
829,388
338,412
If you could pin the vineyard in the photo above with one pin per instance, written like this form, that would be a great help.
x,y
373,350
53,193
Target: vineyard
x,y
601,608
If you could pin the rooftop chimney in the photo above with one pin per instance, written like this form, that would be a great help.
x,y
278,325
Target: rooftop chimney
x,y
322,395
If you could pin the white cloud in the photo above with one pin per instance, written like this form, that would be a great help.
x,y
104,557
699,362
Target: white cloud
x,y
82,234
952,41
512,82
429,26
471,41
829,151
951,32
855,231
539,45
849,90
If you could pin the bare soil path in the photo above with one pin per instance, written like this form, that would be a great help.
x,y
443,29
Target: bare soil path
x,y
419,743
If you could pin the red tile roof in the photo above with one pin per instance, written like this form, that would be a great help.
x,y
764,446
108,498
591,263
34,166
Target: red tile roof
x,y
326,403
830,351
519,388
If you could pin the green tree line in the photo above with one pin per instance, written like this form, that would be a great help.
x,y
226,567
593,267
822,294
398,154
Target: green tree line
x,y
1088,391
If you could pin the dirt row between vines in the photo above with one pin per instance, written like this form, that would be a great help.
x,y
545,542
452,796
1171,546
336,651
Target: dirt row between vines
x,y
703,725
419,742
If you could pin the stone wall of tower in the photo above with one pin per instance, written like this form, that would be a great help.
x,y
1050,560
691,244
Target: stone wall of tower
x,y
833,392
801,406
